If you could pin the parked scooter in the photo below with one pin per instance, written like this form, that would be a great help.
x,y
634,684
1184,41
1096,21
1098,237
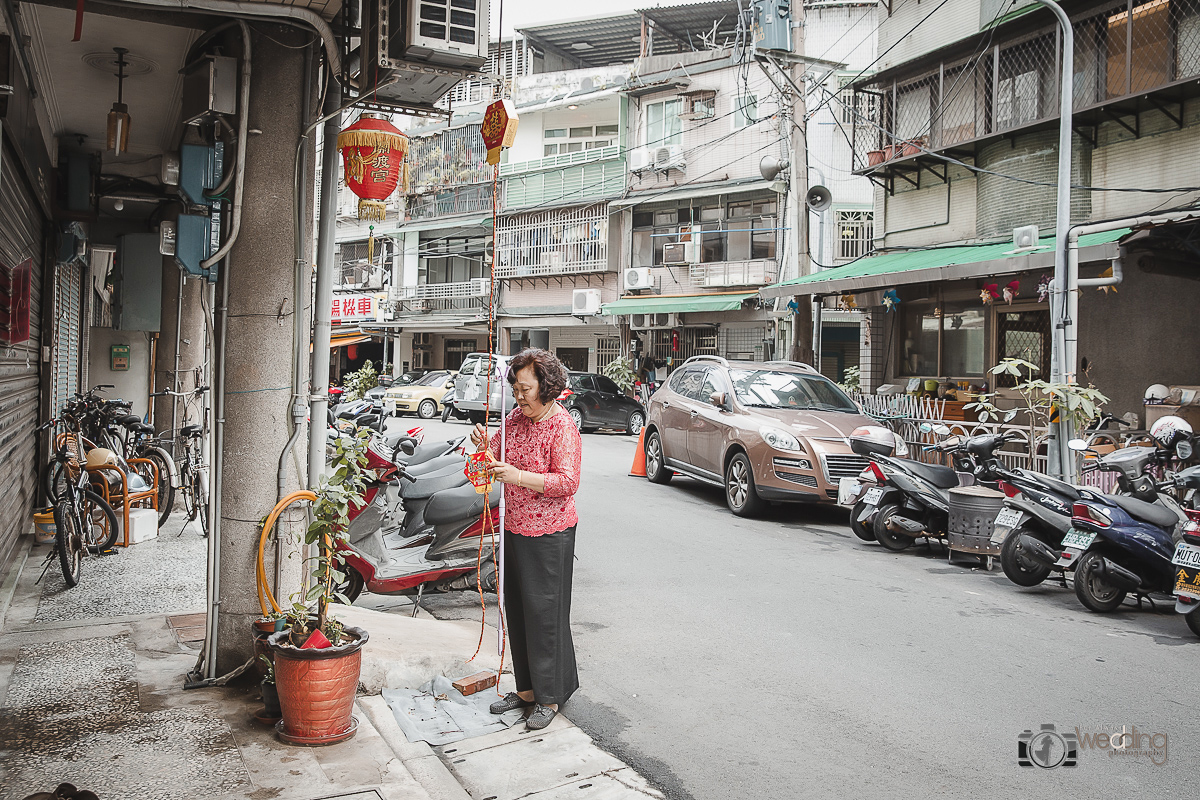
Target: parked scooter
x,y
1186,558
906,499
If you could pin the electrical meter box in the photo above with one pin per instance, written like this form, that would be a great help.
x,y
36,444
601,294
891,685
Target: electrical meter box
x,y
119,357
137,288
197,233
773,25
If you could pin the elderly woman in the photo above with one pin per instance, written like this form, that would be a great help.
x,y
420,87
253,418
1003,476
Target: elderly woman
x,y
541,452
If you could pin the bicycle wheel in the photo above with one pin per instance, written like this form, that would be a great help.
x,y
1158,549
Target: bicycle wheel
x,y
201,501
68,541
188,489
54,479
166,492
101,521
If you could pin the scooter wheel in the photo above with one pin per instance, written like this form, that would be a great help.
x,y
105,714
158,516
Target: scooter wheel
x,y
1193,621
1018,568
1092,591
896,542
861,529
353,586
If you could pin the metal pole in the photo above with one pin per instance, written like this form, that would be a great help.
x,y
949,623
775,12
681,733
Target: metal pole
x,y
322,322
802,345
1061,462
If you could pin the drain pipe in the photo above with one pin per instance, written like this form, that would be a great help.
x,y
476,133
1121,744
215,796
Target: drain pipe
x,y
239,179
218,463
175,374
322,322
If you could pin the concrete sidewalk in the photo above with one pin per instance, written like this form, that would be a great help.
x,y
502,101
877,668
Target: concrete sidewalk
x,y
91,693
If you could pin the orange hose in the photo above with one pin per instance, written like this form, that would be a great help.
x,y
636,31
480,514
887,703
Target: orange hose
x,y
263,588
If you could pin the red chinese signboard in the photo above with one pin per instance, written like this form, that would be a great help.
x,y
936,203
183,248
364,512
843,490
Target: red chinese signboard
x,y
353,307
15,285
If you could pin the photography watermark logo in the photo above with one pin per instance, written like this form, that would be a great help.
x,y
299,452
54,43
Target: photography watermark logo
x,y
1047,748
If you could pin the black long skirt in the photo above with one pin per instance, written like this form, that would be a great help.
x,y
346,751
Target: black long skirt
x,y
537,610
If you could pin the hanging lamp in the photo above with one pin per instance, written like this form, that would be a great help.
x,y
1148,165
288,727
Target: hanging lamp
x,y
118,117
373,155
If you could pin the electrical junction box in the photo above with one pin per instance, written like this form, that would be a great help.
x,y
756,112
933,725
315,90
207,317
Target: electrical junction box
x,y
198,232
209,89
119,357
137,285
772,29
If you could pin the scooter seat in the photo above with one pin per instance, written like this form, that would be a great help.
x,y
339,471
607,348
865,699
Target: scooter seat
x,y
939,476
426,486
1054,484
457,504
1146,512
434,465
428,452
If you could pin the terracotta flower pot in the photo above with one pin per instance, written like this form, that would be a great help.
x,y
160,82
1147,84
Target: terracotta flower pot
x,y
317,688
875,157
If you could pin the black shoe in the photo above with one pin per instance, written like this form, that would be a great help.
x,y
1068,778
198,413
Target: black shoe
x,y
511,701
540,718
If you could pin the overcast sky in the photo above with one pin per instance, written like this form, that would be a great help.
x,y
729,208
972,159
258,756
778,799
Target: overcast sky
x,y
519,13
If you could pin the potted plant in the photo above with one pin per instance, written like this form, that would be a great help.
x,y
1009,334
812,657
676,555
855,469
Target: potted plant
x,y
317,659
271,712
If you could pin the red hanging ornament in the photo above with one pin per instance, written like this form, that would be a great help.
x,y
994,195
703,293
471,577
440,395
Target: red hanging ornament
x,y
373,157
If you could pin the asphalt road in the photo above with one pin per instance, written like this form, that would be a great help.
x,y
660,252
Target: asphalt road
x,y
782,657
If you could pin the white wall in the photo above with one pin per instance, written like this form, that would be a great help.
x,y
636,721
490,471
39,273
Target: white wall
x,y
132,384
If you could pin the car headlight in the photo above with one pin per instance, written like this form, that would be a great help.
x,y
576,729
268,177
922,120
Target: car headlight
x,y
780,440
406,395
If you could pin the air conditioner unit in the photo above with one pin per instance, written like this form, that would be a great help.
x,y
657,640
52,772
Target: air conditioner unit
x,y
645,322
680,253
640,160
669,157
638,278
585,302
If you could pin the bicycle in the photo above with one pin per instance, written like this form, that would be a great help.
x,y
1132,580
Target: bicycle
x,y
83,521
193,472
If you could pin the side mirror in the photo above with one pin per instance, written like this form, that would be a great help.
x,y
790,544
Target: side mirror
x,y
940,430
408,447
1183,449
1078,445
925,427
719,400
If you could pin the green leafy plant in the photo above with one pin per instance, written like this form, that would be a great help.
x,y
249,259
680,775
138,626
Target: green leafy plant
x,y
343,487
1043,399
359,382
270,676
853,380
621,373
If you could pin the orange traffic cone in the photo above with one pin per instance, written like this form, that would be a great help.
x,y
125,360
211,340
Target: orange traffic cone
x,y
638,470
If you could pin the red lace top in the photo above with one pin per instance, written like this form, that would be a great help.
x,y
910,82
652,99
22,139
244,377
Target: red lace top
x,y
551,448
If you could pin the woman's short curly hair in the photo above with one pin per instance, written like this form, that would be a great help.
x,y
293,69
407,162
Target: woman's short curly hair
x,y
550,372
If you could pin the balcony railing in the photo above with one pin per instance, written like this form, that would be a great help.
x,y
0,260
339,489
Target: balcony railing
x,y
556,242
565,185
473,199
562,160
735,273
476,287
468,298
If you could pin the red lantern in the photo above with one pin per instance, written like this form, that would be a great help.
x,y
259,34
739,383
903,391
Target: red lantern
x,y
499,128
373,152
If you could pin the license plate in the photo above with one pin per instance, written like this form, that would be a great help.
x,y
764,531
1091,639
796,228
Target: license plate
x,y
1008,517
1080,540
848,489
872,496
1187,582
1187,555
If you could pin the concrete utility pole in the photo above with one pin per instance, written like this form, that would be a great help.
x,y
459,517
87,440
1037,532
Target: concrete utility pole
x,y
258,358
802,345
182,325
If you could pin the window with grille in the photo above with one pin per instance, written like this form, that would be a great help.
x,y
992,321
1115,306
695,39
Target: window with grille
x,y
863,106
1025,87
1024,335
608,350
855,232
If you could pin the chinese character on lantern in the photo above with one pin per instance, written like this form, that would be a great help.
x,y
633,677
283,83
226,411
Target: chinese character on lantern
x,y
499,128
373,153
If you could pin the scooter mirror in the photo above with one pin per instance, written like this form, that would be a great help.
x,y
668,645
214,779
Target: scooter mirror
x,y
925,427
940,430
408,447
1078,445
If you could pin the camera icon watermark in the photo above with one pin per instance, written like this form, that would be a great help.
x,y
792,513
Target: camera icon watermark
x,y
1047,748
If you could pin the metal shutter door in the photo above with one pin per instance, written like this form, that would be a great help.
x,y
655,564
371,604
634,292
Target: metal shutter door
x,y
66,352
21,237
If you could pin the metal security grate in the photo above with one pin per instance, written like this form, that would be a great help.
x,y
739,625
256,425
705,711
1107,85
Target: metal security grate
x,y
803,480
608,350
1024,335
855,231
844,466
553,242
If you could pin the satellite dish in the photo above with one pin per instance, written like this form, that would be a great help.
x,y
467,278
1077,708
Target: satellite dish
x,y
770,167
819,198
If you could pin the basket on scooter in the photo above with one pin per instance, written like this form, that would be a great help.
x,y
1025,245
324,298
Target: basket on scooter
x,y
973,511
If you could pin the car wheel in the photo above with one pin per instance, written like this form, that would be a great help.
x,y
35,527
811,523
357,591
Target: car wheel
x,y
890,539
1019,568
577,418
633,426
1091,589
656,465
427,409
740,493
861,529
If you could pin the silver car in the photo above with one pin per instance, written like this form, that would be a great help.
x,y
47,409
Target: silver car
x,y
471,386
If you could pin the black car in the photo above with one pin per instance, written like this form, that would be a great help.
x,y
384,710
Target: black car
x,y
595,401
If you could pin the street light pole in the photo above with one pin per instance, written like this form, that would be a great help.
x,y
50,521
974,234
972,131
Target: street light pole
x,y
1062,308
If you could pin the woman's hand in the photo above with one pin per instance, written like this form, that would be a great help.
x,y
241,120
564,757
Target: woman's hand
x,y
505,473
479,437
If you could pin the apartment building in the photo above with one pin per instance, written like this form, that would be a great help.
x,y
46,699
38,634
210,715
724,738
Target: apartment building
x,y
957,129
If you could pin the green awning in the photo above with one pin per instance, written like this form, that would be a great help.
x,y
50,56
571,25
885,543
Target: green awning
x,y
965,262
666,304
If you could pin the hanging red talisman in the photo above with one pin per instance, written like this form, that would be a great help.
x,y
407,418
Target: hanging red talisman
x,y
499,128
373,155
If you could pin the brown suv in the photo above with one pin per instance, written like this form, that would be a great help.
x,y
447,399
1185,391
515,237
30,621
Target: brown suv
x,y
763,431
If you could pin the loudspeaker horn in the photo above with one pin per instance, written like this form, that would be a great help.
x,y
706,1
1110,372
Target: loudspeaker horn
x,y
770,167
819,198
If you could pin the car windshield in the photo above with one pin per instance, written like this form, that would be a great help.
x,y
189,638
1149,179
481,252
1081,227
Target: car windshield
x,y
771,389
432,378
